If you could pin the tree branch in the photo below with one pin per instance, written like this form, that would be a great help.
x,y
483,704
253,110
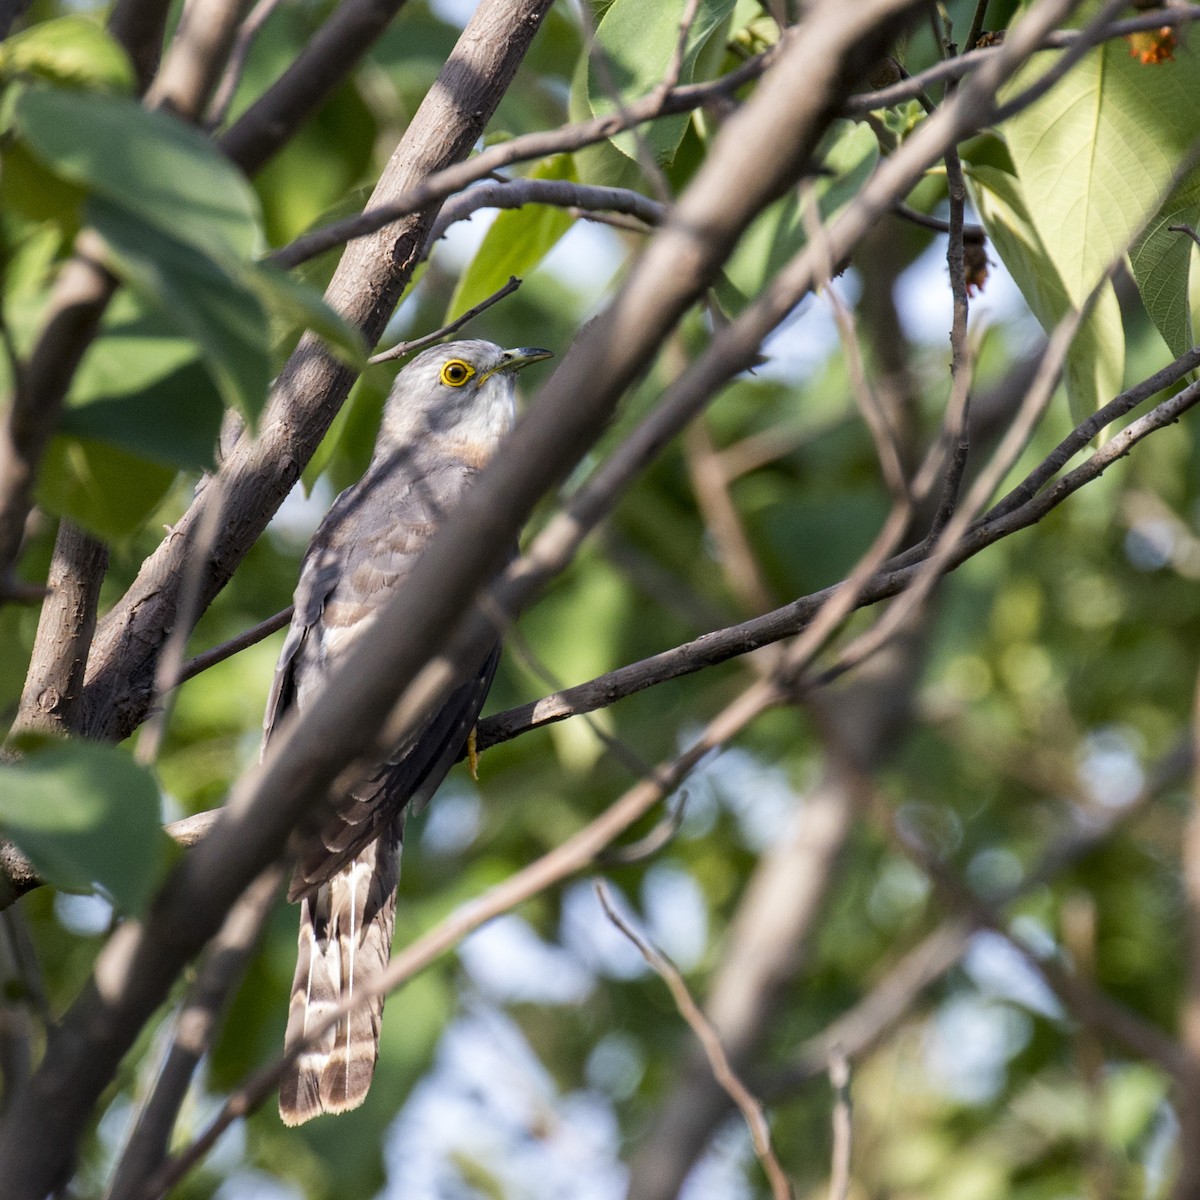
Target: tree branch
x,y
561,193
749,1106
527,147
224,963
54,681
77,302
327,59
402,348
196,57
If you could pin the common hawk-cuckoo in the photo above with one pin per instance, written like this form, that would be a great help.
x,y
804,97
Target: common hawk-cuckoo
x,y
447,412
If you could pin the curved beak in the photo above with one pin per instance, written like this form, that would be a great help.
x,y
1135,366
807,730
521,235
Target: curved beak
x,y
522,356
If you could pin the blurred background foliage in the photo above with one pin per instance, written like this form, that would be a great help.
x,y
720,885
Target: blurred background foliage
x,y
1053,673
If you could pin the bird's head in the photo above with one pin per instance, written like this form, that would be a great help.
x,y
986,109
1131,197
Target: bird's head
x,y
465,391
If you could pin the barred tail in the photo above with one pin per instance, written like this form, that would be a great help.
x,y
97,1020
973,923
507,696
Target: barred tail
x,y
345,939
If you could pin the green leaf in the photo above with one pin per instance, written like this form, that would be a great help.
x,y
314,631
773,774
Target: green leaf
x,y
199,297
87,815
100,487
1097,155
147,163
174,420
1095,363
142,388
74,51
1161,262
519,238
849,153
635,43
298,306
29,187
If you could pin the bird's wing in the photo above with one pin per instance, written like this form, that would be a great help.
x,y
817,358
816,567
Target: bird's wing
x,y
407,780
364,548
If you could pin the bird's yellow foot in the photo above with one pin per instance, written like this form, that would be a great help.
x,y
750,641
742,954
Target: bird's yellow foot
x,y
472,754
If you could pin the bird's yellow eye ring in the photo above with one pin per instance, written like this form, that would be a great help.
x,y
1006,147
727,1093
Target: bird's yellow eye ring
x,y
456,372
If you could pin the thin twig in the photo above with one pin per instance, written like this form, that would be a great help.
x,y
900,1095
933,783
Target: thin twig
x,y
327,59
884,435
441,184
170,662
402,348
661,836
196,56
843,1126
976,28
562,193
972,60
209,994
747,1103
239,55
742,570
235,645
678,57
971,233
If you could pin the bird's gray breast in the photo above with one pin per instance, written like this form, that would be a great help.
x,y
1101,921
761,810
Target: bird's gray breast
x,y
363,550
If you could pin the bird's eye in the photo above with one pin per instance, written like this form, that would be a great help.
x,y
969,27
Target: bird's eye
x,y
456,372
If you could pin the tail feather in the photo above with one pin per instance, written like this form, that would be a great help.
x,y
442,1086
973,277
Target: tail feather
x,y
345,939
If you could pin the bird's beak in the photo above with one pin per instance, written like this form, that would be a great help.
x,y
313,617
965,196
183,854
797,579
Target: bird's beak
x,y
514,360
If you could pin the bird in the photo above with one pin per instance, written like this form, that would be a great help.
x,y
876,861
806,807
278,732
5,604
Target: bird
x,y
445,416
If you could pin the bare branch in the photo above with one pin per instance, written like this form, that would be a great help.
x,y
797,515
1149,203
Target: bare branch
x,y
328,58
843,1128
525,148
974,59
235,645
402,348
741,568
236,64
170,661
971,233
224,963
977,22
196,57
1188,1179
675,68
748,1104
54,681
562,193
77,301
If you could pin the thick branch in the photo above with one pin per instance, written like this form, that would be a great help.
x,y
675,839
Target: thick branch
x,y
76,304
324,63
196,57
54,681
